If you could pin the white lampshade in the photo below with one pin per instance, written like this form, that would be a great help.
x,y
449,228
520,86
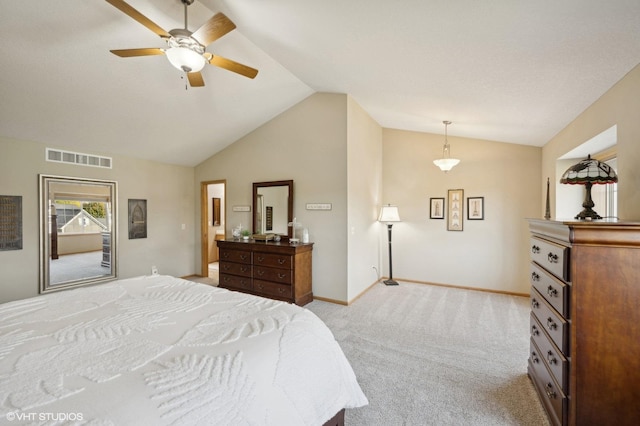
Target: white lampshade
x,y
389,213
185,59
446,164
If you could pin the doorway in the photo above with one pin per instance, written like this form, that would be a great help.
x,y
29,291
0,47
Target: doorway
x,y
213,218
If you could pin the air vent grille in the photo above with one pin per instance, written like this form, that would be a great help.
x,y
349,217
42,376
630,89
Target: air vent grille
x,y
59,156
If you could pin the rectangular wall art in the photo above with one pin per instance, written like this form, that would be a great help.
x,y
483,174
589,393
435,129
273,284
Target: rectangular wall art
x,y
436,209
10,222
455,210
137,219
475,208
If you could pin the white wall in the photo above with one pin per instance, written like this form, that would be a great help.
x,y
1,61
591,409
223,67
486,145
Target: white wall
x,y
170,199
488,254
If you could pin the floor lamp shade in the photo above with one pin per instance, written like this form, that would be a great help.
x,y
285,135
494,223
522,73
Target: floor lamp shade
x,y
389,214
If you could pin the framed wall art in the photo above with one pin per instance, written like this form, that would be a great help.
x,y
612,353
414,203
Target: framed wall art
x,y
137,219
10,222
436,208
475,208
455,210
215,213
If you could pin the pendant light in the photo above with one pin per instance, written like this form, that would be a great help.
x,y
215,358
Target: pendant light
x,y
446,163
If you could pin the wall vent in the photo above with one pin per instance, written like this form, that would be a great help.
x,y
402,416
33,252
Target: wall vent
x,y
59,156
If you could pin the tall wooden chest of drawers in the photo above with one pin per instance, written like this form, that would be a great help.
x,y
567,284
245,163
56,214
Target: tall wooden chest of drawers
x,y
277,270
584,355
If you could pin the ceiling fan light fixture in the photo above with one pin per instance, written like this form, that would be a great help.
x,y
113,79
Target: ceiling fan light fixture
x,y
184,52
185,59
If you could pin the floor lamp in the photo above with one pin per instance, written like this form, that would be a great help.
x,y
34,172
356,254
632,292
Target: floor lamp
x,y
389,214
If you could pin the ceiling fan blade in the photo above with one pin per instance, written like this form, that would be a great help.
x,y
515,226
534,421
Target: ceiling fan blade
x,y
195,79
233,66
213,29
127,53
128,10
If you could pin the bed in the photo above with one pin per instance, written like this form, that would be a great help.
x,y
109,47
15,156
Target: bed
x,y
163,350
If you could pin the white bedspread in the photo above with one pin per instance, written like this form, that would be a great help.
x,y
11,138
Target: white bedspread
x,y
162,350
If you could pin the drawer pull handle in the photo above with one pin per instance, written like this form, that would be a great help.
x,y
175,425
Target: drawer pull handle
x,y
260,272
226,279
535,277
534,331
226,267
535,304
244,269
552,258
552,292
260,287
535,249
260,259
551,394
551,325
281,276
281,261
281,290
552,359
534,357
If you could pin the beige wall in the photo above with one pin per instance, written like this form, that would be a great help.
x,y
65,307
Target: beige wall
x,y
488,254
170,199
619,106
364,176
307,143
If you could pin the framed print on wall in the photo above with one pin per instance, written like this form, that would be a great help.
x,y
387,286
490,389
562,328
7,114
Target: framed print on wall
x,y
436,209
475,208
137,219
455,210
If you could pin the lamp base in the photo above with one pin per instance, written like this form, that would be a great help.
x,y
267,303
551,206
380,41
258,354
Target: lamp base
x,y
588,214
390,281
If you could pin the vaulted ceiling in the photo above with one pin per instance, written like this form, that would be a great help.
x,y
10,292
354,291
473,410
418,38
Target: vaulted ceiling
x,y
502,70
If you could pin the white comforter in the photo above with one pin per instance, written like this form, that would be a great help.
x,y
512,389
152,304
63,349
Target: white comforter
x,y
162,350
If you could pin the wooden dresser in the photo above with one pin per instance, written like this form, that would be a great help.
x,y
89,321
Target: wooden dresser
x,y
277,270
584,355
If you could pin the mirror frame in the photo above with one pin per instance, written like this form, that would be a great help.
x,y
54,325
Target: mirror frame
x,y
44,243
289,185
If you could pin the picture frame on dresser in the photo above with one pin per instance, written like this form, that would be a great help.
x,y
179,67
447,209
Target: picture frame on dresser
x,y
436,208
475,208
455,210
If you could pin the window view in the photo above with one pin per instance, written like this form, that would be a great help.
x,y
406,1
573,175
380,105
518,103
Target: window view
x,y
605,197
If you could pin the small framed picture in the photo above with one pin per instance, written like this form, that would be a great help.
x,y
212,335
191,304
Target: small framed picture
x,y
475,208
137,219
436,209
455,209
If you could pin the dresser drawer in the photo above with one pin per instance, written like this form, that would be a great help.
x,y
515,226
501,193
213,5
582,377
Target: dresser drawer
x,y
556,292
272,289
553,324
273,260
550,394
235,282
282,276
240,269
237,256
552,257
551,355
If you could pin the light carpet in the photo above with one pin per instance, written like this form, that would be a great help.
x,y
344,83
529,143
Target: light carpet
x,y
430,355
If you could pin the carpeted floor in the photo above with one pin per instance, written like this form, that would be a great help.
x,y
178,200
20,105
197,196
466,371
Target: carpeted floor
x,y
429,355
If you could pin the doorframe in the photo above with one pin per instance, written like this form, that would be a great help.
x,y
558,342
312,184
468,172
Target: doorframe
x,y
204,224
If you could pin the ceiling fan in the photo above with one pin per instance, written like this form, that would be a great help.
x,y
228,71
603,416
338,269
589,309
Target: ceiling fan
x,y
186,50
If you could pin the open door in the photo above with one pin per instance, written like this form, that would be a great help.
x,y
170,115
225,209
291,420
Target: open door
x,y
212,219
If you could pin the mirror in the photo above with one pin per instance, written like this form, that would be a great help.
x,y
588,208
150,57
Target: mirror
x,y
272,207
78,243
